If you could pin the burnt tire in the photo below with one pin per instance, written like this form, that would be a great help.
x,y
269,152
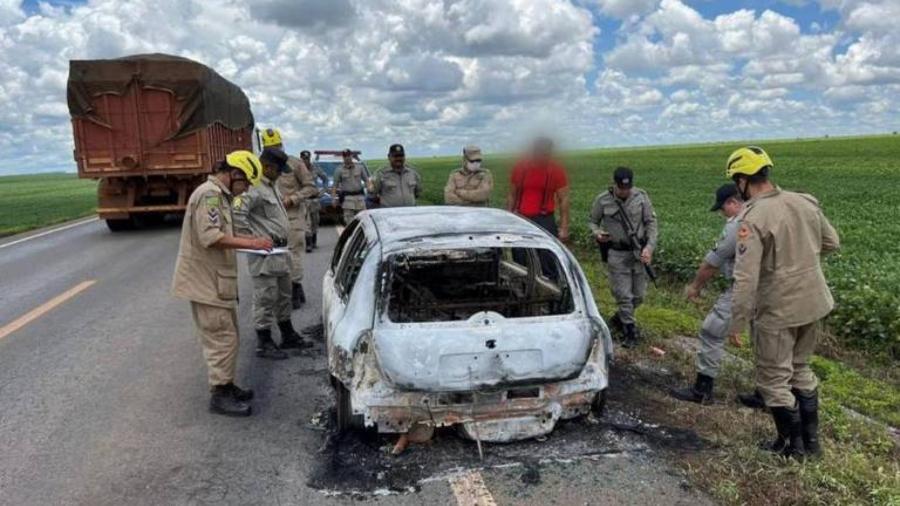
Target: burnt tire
x,y
343,410
598,405
120,225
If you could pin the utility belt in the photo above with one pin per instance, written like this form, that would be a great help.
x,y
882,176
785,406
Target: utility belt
x,y
343,194
620,246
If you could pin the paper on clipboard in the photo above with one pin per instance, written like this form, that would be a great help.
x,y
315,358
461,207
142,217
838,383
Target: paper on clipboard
x,y
275,251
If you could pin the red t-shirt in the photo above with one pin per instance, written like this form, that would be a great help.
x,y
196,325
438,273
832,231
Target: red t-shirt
x,y
534,181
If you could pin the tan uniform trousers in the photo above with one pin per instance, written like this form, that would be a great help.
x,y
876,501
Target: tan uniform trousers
x,y
782,362
271,300
297,246
217,328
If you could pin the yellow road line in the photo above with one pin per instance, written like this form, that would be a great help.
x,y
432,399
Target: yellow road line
x,y
44,308
470,490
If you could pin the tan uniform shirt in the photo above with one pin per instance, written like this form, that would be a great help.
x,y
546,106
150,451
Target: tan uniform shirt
x,y
297,186
469,188
605,217
778,279
350,180
259,212
398,188
202,273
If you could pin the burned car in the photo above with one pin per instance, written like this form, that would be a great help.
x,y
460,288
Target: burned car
x,y
452,316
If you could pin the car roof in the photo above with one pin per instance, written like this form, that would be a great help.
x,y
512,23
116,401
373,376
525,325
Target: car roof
x,y
398,224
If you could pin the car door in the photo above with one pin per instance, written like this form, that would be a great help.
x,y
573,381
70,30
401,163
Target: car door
x,y
332,306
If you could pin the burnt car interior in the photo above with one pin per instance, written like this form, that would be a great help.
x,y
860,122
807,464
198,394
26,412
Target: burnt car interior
x,y
454,284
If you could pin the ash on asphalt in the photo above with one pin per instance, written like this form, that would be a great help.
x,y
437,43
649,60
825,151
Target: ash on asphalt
x,y
360,463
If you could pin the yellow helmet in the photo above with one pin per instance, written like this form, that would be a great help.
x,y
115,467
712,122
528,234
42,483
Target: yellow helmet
x,y
271,137
246,162
748,161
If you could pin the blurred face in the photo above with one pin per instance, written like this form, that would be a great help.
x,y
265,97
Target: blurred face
x,y
270,171
542,149
397,161
731,208
348,160
237,182
622,192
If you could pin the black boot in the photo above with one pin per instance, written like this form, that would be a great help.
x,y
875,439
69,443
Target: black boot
x,y
290,339
265,346
297,296
753,400
701,392
223,402
631,336
789,442
615,324
239,393
309,243
315,238
809,420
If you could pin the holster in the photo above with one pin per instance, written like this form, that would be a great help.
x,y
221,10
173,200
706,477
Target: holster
x,y
604,251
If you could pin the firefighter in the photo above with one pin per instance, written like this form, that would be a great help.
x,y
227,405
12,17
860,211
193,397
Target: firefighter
x,y
471,184
781,293
314,205
206,275
261,211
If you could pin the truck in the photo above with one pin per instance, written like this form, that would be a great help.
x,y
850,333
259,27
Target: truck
x,y
150,128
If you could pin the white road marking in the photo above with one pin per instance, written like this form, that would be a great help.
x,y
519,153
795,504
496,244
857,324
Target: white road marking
x,y
48,232
44,308
470,490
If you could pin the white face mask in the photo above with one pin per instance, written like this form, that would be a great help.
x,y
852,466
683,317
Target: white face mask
x,y
473,166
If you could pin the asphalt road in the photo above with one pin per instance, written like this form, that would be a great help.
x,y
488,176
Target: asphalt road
x,y
103,400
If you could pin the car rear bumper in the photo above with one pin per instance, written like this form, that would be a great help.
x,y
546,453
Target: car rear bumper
x,y
495,415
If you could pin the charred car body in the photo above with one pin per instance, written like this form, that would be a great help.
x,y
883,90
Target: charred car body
x,y
438,316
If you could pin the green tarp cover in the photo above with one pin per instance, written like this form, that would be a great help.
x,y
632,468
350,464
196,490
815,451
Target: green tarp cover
x,y
208,97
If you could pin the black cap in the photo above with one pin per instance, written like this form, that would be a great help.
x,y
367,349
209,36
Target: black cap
x,y
396,150
623,176
304,154
725,192
347,152
276,157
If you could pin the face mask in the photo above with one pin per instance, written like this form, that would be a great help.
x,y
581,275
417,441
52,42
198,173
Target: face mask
x,y
473,166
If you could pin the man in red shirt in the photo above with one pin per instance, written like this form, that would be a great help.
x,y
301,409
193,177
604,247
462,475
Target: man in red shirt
x,y
538,186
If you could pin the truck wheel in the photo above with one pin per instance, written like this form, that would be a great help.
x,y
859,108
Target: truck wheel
x,y
120,225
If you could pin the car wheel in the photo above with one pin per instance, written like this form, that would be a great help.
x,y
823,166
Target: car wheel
x,y
598,406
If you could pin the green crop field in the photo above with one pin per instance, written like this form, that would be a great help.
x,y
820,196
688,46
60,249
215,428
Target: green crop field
x,y
855,179
39,200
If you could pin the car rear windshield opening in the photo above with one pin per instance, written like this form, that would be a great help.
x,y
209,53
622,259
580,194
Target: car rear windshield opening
x,y
454,284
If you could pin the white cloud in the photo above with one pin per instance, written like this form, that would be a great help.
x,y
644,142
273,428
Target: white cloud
x,y
438,74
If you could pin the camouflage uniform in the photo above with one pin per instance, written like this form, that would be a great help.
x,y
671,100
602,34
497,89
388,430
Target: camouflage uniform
x,y
715,327
627,278
260,212
315,206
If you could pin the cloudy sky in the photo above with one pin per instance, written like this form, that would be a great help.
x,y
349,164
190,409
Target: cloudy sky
x,y
436,75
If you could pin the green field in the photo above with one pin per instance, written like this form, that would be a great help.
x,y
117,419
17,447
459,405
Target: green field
x,y
34,201
855,179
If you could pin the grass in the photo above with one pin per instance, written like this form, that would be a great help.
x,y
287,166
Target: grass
x,y
35,201
855,181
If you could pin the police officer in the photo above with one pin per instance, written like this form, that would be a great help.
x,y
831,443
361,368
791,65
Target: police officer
x,y
314,205
780,290
626,264
715,326
349,187
261,211
471,184
398,184
296,186
206,275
